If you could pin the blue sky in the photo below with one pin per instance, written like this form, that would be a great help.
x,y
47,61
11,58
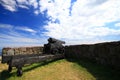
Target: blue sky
x,y
32,22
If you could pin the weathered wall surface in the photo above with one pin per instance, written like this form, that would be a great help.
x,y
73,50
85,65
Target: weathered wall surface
x,y
103,53
22,50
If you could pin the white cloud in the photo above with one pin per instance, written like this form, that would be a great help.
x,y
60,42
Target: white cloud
x,y
26,29
12,37
87,20
12,5
6,26
7,40
36,12
9,4
34,3
17,38
117,24
19,45
23,6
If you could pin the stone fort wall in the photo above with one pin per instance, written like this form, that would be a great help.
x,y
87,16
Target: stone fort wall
x,y
22,50
103,53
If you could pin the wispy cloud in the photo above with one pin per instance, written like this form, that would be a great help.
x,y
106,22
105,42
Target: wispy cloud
x,y
12,5
5,26
36,12
9,4
117,24
11,37
18,38
23,6
26,29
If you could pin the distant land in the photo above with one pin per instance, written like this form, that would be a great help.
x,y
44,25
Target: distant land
x,y
0,51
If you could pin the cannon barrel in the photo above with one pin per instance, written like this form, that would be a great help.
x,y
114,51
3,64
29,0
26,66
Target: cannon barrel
x,y
54,46
53,40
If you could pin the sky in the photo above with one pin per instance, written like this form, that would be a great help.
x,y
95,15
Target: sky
x,y
32,22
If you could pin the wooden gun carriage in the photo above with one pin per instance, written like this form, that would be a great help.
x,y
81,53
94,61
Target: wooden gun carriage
x,y
18,57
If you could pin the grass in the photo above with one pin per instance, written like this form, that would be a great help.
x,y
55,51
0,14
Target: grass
x,y
61,70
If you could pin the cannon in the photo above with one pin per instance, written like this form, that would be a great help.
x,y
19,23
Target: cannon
x,y
19,61
18,57
54,46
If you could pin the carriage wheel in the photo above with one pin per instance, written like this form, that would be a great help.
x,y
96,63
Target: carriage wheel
x,y
19,72
9,68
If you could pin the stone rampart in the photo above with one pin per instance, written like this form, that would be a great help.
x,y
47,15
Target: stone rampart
x,y
22,50
103,53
